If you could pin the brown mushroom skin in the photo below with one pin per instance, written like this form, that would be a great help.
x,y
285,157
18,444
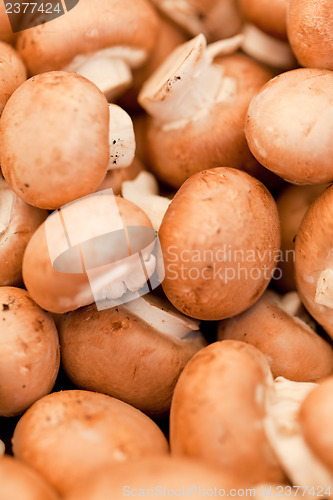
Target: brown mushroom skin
x,y
54,139
133,362
313,255
67,434
19,481
29,351
316,422
293,349
292,204
12,72
23,222
216,211
310,32
269,16
213,140
218,409
290,124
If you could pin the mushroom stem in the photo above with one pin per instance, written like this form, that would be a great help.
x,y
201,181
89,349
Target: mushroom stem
x,y
6,207
143,191
267,49
188,83
324,290
121,138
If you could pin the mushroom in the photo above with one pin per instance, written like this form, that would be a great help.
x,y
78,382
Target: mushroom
x,y
99,249
18,222
219,238
102,41
314,260
59,137
279,327
115,177
9,24
12,72
218,409
67,434
142,348
197,106
270,16
310,32
2,448
29,351
292,205
18,481
290,124
163,476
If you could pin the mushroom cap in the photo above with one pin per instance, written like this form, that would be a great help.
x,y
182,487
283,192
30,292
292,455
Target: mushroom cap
x,y
55,139
316,421
158,473
290,124
67,434
219,237
268,15
310,32
313,255
18,223
292,204
12,72
59,292
87,28
134,361
214,139
6,29
20,481
292,348
218,409
29,351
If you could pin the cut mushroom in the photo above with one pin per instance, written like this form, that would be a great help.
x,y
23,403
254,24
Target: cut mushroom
x,y
143,191
143,347
218,409
219,254
101,41
277,327
66,435
29,351
198,106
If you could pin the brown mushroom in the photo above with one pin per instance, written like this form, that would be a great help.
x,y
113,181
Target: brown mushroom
x,y
67,434
142,348
279,327
268,15
12,72
18,481
29,351
56,143
218,409
18,222
310,32
219,238
290,124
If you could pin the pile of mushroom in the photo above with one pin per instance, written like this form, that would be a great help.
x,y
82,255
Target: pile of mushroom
x,y
166,255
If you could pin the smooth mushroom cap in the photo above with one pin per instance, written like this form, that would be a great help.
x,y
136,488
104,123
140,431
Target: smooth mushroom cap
x,y
67,434
268,15
292,204
156,474
87,28
310,32
60,292
290,124
18,222
12,72
218,410
54,139
29,351
219,238
316,422
137,360
18,481
292,348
